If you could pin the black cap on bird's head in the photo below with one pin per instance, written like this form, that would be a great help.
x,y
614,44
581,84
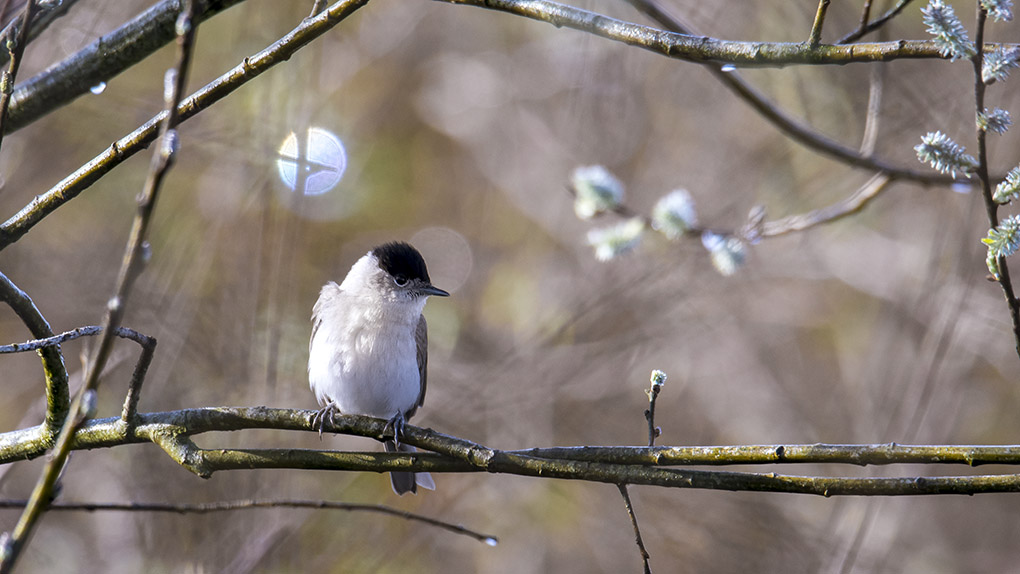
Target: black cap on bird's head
x,y
406,266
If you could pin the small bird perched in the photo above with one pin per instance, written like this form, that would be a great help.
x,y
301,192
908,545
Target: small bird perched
x,y
369,348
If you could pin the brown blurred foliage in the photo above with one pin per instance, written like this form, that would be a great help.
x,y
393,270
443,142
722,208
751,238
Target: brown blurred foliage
x,y
461,127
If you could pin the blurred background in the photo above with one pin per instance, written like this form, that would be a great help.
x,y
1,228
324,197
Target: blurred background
x,y
456,129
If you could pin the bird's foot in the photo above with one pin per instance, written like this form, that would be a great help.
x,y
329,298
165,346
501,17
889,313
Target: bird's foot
x,y
397,424
322,415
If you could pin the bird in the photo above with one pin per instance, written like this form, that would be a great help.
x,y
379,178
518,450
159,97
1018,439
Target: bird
x,y
368,352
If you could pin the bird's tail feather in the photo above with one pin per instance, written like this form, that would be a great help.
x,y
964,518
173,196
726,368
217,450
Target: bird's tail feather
x,y
408,481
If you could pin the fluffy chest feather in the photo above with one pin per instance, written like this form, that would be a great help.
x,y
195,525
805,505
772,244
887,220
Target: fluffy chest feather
x,y
363,356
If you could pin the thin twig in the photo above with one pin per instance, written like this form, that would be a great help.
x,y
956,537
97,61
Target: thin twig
x,y
828,214
232,505
657,378
15,53
637,531
162,159
792,127
654,387
865,15
991,207
866,28
126,147
815,37
317,7
87,331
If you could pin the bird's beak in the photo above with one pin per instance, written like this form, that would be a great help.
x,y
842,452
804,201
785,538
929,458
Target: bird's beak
x,y
430,290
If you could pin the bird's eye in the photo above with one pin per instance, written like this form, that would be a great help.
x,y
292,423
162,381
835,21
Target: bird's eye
x,y
400,280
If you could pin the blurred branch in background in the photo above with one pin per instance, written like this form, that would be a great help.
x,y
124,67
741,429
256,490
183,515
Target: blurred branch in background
x,y
830,213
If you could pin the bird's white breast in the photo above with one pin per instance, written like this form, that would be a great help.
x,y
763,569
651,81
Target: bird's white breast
x,y
363,354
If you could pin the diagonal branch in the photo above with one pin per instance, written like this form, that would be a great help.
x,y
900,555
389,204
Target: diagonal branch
x,y
815,37
792,127
101,60
126,147
830,213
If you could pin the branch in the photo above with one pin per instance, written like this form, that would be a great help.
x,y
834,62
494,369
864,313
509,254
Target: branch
x,y
19,41
858,455
101,60
232,505
645,557
849,206
792,127
124,148
815,37
57,395
88,331
45,14
614,465
655,386
42,494
991,207
865,27
147,343
703,49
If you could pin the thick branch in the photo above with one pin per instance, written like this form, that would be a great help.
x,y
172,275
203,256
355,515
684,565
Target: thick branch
x,y
614,465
